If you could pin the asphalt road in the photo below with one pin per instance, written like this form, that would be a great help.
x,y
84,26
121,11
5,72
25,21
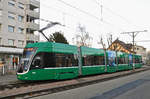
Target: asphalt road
x,y
136,86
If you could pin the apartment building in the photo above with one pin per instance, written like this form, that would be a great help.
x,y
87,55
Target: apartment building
x,y
19,19
141,51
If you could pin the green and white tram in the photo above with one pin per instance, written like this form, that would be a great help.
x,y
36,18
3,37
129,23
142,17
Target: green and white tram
x,y
48,61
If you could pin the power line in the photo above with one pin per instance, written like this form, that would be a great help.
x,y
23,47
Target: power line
x,y
68,14
86,12
116,14
143,41
101,6
80,10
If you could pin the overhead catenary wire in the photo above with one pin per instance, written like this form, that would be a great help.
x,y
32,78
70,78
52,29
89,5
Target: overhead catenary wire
x,y
118,15
86,13
68,14
143,41
80,10
89,14
114,13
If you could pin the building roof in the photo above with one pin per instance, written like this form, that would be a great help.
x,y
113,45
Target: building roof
x,y
128,47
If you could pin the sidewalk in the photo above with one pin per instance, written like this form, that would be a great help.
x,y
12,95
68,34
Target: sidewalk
x,y
8,77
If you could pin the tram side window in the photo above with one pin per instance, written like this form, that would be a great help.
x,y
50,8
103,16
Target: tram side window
x,y
66,60
126,60
137,60
60,60
90,60
120,60
112,61
123,60
37,61
49,60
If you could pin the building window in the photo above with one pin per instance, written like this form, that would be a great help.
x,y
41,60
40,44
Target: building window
x,y
20,43
0,41
21,5
29,41
11,15
11,42
0,27
0,12
11,3
20,18
11,28
20,30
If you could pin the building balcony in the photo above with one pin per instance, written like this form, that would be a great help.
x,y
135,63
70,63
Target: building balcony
x,y
33,26
1,6
35,3
0,19
33,14
32,37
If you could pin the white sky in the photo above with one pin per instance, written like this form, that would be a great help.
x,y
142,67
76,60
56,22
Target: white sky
x,y
118,15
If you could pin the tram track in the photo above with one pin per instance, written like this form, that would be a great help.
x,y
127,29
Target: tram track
x,y
79,82
19,84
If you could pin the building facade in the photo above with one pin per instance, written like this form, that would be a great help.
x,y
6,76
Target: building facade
x,y
140,50
19,19
118,45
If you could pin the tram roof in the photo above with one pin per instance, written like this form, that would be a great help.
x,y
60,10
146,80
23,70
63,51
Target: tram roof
x,y
53,47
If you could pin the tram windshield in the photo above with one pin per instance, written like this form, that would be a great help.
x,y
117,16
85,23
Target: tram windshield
x,y
24,63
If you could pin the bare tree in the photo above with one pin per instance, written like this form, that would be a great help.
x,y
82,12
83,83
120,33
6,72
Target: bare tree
x,y
82,38
102,42
109,40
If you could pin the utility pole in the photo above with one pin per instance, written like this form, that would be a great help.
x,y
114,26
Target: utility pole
x,y
133,34
101,5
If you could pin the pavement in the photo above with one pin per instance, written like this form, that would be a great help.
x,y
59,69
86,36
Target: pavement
x,y
9,77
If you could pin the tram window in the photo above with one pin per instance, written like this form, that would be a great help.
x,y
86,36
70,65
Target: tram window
x,y
137,60
123,60
37,61
65,60
89,60
112,61
126,60
59,60
49,60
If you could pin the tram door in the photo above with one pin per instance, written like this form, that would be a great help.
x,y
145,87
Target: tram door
x,y
37,70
